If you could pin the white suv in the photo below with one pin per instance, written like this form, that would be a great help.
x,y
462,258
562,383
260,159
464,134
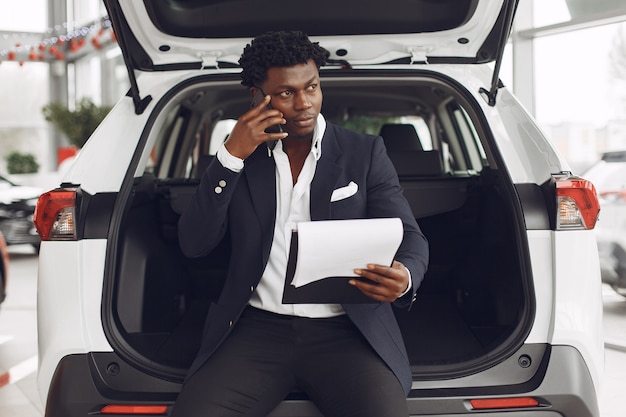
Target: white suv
x,y
508,321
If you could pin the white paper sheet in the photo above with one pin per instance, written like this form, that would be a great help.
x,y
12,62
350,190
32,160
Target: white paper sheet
x,y
334,248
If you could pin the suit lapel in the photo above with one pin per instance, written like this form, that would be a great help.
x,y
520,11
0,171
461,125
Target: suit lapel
x,y
260,172
326,174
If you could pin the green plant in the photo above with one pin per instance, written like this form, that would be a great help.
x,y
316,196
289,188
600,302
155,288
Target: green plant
x,y
21,163
76,124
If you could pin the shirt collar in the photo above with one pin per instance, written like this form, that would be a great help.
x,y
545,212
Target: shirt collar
x,y
318,135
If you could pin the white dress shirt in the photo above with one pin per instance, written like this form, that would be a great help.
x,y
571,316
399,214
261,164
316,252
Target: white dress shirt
x,y
292,206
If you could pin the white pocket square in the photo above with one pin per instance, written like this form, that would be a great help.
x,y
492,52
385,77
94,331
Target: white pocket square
x,y
344,192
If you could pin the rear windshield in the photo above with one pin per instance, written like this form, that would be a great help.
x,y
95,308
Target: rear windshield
x,y
248,18
410,115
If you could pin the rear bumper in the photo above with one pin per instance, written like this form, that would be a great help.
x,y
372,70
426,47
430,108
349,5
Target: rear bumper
x,y
84,383
564,389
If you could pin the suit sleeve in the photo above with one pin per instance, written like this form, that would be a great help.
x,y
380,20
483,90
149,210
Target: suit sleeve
x,y
204,222
385,198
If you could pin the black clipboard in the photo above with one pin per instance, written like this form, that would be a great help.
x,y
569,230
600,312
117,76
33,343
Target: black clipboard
x,y
331,290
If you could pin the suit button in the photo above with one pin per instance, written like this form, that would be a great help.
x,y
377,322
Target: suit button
x,y
251,289
230,323
222,183
218,190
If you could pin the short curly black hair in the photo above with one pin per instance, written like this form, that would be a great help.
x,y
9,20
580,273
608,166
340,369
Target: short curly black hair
x,y
278,49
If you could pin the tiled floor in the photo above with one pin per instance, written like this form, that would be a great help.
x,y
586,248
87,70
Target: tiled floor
x,y
18,339
20,399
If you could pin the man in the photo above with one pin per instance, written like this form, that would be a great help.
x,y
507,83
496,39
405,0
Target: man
x,y
349,359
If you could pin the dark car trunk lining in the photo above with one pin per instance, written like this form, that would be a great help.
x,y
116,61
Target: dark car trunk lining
x,y
469,301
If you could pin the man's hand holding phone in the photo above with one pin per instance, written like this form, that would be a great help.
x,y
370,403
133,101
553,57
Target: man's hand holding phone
x,y
261,96
258,125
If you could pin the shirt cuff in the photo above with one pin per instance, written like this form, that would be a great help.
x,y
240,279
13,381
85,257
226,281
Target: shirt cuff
x,y
228,161
408,288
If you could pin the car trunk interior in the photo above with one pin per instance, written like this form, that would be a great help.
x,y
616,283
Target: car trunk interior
x,y
472,300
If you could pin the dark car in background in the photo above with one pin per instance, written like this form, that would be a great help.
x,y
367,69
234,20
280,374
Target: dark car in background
x,y
609,177
17,206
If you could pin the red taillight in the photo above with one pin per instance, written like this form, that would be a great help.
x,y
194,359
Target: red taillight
x,y
55,215
134,409
500,403
577,203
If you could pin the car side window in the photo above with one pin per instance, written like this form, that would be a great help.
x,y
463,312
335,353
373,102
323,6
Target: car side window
x,y
462,147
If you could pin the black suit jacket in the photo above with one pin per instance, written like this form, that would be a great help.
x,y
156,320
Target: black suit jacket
x,y
244,205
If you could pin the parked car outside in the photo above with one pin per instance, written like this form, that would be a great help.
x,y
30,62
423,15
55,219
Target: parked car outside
x,y
609,176
508,320
17,206
4,268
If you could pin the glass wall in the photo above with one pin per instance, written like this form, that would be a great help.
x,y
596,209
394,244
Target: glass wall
x,y
101,76
23,87
28,15
579,96
32,75
579,55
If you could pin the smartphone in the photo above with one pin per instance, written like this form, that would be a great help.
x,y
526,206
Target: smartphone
x,y
260,94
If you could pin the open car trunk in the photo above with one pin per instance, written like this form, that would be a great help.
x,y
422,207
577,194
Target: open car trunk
x,y
474,304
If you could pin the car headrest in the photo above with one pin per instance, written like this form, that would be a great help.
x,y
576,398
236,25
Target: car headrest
x,y
400,137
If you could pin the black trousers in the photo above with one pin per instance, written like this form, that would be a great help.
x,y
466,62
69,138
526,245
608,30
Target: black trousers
x,y
268,355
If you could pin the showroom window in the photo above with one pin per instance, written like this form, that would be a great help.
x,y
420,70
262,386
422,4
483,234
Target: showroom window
x,y
579,55
24,87
579,97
